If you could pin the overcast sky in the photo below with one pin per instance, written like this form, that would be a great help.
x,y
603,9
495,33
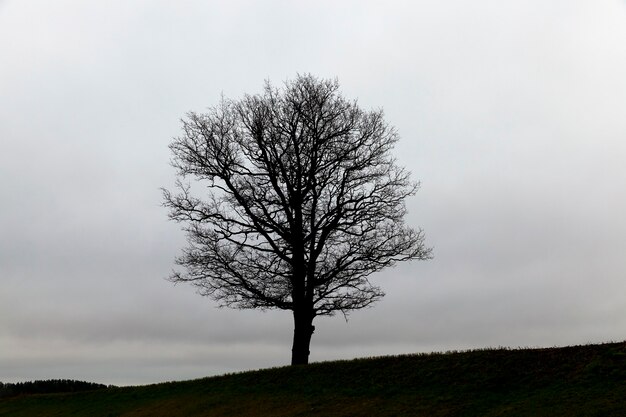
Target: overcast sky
x,y
512,114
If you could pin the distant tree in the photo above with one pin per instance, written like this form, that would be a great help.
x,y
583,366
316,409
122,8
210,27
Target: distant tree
x,y
50,386
302,202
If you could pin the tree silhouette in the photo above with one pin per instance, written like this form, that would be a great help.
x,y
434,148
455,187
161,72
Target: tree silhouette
x,y
301,203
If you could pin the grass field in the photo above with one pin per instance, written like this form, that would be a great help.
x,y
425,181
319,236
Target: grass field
x,y
573,381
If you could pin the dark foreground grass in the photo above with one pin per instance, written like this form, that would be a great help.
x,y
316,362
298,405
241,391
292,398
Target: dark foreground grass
x,y
572,381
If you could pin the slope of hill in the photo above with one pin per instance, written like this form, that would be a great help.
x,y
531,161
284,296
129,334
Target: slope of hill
x,y
573,381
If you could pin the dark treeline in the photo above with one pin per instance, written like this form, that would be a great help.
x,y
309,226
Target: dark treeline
x,y
49,386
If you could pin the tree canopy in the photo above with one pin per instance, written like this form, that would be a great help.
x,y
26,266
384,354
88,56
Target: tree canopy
x,y
301,201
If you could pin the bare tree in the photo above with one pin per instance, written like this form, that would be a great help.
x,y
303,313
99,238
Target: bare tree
x,y
302,203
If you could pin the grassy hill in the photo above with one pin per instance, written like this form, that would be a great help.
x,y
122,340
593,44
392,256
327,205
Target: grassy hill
x,y
573,381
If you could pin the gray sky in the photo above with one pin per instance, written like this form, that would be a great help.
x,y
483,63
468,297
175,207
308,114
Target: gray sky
x,y
511,114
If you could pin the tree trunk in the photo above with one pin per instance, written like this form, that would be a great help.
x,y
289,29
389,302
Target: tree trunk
x,y
302,332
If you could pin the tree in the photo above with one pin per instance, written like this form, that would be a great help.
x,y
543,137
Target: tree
x,y
304,203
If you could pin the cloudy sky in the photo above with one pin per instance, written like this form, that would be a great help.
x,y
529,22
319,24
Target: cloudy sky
x,y
511,114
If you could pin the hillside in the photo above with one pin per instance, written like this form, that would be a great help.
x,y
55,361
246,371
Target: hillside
x,y
573,381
